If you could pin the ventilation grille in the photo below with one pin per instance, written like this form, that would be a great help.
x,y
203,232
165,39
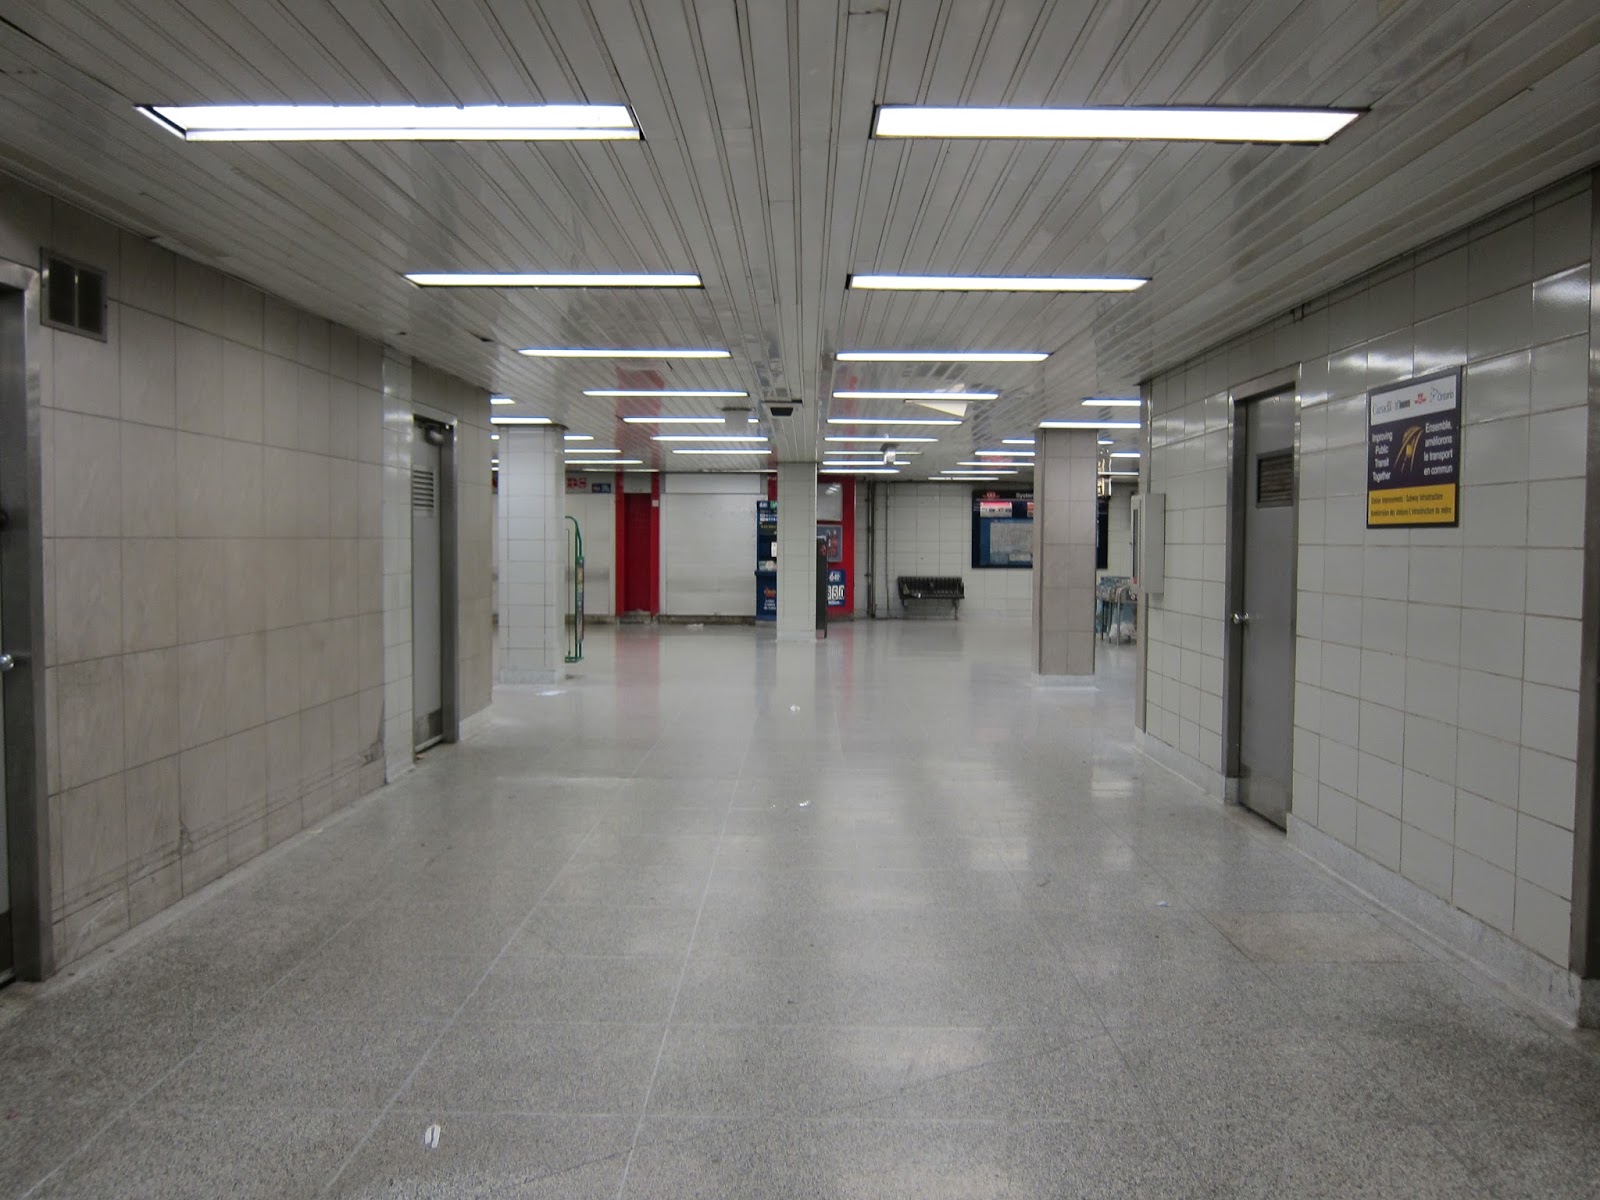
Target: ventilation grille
x,y
73,296
423,490
1275,480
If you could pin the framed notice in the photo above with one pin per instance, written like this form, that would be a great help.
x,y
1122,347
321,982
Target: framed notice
x,y
1414,452
1002,529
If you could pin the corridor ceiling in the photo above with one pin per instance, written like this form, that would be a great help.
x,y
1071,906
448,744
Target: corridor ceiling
x,y
758,171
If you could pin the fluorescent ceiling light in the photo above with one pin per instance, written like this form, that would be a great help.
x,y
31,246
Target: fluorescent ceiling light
x,y
494,462
394,122
494,437
577,437
662,392
1016,441
916,395
1308,125
1112,402
1088,424
1105,441
993,465
708,437
1124,454
510,279
593,450
945,421
606,465
1120,474
964,478
833,470
881,438
501,400
1004,453
975,474
752,420
728,450
674,420
997,283
520,421
995,356
620,352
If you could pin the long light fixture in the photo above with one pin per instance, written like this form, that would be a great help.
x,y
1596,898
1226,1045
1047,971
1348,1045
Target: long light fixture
x,y
996,464
975,474
577,437
513,279
880,439
746,451
962,478
708,437
998,283
1120,474
395,122
1112,402
1124,454
674,420
501,400
1302,125
679,393
1004,453
916,395
834,470
1088,424
604,464
520,421
893,421
1016,441
618,352
961,356
594,450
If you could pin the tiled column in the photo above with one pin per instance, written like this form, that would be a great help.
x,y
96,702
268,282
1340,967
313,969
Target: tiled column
x,y
797,551
1064,493
533,547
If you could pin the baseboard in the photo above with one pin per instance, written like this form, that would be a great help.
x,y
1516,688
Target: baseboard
x,y
1534,979
515,675
711,619
1203,777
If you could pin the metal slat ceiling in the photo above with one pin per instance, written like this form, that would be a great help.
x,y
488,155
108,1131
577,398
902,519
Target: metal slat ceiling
x,y
758,172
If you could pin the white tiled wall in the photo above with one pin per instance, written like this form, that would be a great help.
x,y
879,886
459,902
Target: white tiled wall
x,y
926,529
708,544
1436,708
533,545
215,583
597,517
797,548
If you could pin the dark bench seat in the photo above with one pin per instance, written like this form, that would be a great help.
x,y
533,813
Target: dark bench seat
x,y
939,588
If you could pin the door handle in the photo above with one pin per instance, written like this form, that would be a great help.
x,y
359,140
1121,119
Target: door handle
x,y
1241,618
7,661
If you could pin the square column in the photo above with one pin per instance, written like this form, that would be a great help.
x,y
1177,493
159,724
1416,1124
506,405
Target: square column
x,y
533,549
1065,496
797,551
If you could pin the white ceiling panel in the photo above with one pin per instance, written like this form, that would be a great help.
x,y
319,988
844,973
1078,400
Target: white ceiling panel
x,y
758,172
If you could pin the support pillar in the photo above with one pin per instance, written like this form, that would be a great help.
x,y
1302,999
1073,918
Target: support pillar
x,y
797,551
1065,497
533,548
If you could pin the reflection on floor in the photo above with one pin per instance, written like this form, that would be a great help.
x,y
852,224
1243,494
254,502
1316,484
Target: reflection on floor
x,y
720,917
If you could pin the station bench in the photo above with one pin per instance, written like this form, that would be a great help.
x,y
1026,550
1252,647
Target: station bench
x,y
936,588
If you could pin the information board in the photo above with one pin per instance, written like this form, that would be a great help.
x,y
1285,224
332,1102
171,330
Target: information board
x,y
1414,452
1002,529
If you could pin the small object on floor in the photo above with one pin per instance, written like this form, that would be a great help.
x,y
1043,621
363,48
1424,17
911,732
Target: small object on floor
x,y
695,625
430,1137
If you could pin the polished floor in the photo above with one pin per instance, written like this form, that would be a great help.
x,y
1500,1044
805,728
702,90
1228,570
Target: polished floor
x,y
723,917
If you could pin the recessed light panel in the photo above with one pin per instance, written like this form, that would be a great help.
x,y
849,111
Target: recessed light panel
x,y
665,392
501,400
1016,441
619,352
893,421
708,437
960,356
1307,125
885,437
1004,453
466,279
1112,402
1088,424
674,421
916,395
997,283
747,451
395,122
520,421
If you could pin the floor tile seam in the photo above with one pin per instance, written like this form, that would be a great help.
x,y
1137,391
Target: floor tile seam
x,y
683,974
225,1027
444,1031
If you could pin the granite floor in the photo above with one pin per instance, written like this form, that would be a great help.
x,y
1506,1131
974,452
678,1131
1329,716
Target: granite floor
x,y
724,917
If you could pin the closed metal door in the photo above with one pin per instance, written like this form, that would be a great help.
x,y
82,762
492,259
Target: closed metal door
x,y
1266,621
7,959
427,693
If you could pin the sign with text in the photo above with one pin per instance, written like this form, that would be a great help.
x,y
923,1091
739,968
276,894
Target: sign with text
x,y
835,587
1414,452
583,485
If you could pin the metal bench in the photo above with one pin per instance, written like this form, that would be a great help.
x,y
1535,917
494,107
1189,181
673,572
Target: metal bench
x,y
938,588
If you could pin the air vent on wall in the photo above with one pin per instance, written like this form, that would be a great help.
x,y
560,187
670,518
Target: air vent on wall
x,y
73,296
422,490
1275,480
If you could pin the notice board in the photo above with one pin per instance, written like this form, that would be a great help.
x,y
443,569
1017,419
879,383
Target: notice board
x,y
1002,529
1414,452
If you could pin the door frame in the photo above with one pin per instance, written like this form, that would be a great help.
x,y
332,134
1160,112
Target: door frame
x,y
1275,383
22,597
449,572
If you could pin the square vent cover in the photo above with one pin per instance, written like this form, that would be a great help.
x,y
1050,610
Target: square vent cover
x,y
72,296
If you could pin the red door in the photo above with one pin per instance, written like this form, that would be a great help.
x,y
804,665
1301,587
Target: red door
x,y
638,565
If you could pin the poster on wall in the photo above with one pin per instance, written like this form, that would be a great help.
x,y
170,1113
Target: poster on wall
x,y
832,538
1002,529
1414,452
836,576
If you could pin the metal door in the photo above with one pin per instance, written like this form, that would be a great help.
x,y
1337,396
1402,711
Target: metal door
x,y
7,956
427,693
1265,622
